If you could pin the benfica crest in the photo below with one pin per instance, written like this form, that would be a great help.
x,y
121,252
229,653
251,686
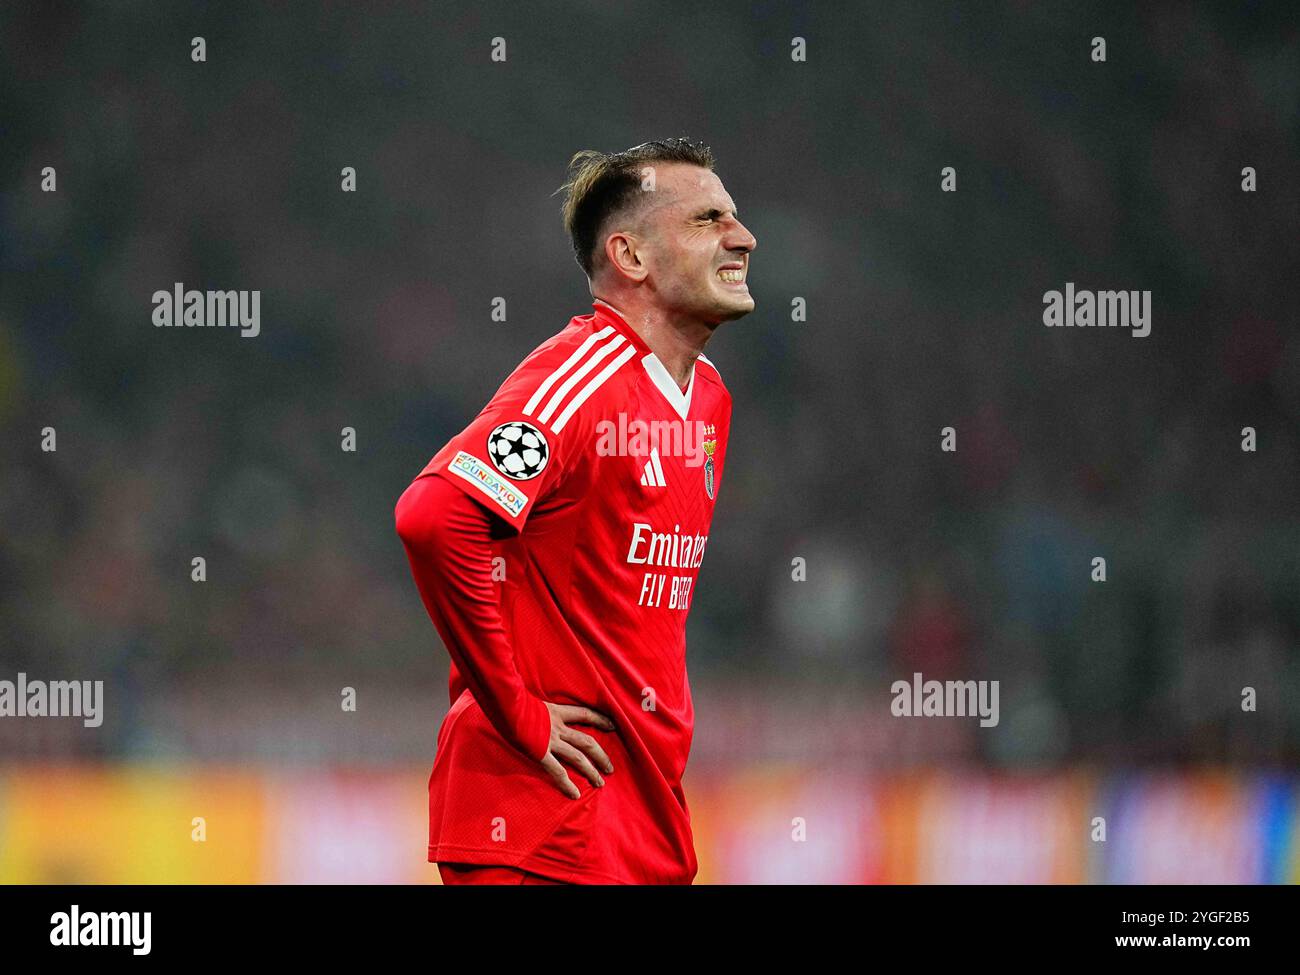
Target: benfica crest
x,y
709,447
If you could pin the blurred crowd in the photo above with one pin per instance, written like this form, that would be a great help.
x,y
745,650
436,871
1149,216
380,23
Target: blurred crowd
x,y
924,312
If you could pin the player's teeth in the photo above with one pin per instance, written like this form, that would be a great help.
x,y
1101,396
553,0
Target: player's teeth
x,y
732,276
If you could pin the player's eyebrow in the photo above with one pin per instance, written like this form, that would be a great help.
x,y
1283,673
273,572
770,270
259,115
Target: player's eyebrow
x,y
714,212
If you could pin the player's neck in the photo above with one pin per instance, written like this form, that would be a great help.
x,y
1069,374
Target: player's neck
x,y
676,344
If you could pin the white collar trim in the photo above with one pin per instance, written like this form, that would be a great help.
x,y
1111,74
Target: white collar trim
x,y
659,375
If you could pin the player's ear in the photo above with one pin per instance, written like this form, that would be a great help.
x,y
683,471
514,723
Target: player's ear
x,y
624,253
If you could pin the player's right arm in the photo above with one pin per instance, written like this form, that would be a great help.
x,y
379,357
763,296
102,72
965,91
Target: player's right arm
x,y
472,485
447,539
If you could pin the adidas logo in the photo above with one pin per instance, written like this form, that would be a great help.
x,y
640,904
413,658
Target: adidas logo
x,y
654,472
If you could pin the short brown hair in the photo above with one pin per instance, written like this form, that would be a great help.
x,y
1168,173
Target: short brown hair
x,y
602,184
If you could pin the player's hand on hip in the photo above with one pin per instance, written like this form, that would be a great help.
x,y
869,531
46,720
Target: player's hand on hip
x,y
576,747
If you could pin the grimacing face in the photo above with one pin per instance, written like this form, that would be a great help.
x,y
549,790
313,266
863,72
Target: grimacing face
x,y
695,248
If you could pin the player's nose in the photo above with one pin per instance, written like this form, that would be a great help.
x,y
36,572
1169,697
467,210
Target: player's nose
x,y
740,239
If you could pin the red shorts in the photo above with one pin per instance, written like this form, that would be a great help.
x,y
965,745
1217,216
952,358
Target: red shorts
x,y
472,873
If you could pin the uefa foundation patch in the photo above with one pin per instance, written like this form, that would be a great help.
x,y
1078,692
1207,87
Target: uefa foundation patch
x,y
470,468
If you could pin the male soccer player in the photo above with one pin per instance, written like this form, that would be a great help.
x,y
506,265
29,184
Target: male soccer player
x,y
558,563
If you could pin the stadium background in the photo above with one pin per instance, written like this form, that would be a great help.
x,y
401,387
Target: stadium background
x,y
924,310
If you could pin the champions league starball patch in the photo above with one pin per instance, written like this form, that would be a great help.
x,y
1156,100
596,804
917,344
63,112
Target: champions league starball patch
x,y
518,450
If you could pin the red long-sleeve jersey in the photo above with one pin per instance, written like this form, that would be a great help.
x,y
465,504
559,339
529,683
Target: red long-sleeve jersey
x,y
600,475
